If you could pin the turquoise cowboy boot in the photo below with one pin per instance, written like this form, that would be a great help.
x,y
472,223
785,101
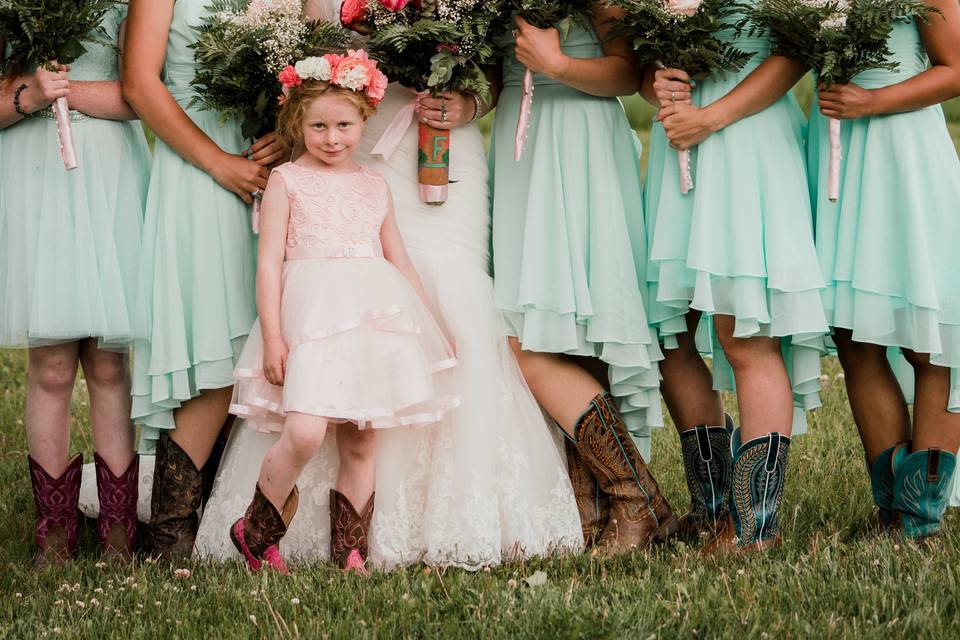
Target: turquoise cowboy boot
x,y
921,483
708,467
881,485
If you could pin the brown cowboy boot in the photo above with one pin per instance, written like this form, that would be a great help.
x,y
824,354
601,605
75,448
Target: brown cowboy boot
x,y
349,531
117,524
639,514
56,500
592,503
258,532
175,502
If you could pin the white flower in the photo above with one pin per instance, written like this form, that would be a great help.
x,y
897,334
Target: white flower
x,y
354,77
314,69
683,7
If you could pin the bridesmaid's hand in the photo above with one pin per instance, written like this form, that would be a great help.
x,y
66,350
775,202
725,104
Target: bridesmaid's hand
x,y
539,49
687,126
239,175
845,101
275,360
267,150
672,86
460,108
45,87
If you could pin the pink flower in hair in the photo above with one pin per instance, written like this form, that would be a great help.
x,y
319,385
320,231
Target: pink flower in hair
x,y
289,77
378,85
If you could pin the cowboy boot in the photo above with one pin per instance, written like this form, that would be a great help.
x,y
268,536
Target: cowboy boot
x,y
639,513
56,500
708,467
349,531
175,502
592,503
258,532
759,475
117,524
921,484
881,485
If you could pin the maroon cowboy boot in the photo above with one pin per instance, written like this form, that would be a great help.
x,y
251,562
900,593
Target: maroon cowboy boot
x,y
57,523
349,533
117,524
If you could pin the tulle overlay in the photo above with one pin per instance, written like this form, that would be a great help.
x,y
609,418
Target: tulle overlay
x,y
741,243
196,297
568,234
486,484
70,241
888,246
375,356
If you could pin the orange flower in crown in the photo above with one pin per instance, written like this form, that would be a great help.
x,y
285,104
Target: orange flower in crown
x,y
355,71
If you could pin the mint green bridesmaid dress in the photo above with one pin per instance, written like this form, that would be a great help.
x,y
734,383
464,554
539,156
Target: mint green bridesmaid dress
x,y
70,240
196,301
889,246
569,242
740,243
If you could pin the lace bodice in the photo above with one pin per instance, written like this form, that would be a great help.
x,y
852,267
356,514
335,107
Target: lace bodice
x,y
334,209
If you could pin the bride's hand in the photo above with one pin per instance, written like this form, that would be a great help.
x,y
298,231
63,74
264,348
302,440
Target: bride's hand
x,y
459,109
275,360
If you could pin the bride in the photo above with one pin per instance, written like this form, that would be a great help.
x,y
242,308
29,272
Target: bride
x,y
490,483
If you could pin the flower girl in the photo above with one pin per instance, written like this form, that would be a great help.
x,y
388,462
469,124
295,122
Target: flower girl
x,y
344,335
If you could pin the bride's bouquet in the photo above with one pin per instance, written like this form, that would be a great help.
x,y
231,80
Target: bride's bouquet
x,y
428,45
543,14
242,47
683,34
838,39
39,32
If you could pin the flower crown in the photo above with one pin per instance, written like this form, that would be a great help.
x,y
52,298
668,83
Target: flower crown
x,y
354,71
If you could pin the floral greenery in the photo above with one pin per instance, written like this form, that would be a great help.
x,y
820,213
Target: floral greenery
x,y
438,46
562,14
233,75
40,31
837,39
691,43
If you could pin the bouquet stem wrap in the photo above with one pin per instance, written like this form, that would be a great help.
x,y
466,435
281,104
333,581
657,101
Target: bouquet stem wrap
x,y
255,217
686,176
61,110
523,122
836,154
433,162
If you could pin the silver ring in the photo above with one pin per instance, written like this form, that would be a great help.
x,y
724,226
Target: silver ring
x,y
257,195
673,96
443,111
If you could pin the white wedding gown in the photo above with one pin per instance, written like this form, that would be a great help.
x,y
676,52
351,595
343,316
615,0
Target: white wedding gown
x,y
488,484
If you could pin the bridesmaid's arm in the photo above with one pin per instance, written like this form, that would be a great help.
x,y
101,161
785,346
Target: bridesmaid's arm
x,y
103,99
610,75
687,125
43,87
939,83
148,27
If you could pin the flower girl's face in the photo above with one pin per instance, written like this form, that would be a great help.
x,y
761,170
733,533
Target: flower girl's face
x,y
332,129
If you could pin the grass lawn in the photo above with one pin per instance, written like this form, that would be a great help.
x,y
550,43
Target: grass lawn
x,y
835,576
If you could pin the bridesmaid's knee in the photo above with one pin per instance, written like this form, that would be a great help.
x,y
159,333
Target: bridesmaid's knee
x,y
105,369
53,374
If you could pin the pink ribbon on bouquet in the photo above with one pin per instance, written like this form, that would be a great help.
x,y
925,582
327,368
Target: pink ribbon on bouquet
x,y
395,131
836,155
61,111
523,121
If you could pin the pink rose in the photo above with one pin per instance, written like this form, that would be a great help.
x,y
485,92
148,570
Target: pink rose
x,y
394,5
353,13
289,77
378,86
683,7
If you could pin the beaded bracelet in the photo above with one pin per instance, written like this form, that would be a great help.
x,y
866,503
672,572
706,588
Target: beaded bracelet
x,y
16,101
479,109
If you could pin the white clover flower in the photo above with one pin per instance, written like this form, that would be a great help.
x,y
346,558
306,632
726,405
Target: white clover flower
x,y
314,68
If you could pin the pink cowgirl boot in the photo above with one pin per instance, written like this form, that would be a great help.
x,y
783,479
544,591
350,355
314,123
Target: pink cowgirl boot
x,y
258,532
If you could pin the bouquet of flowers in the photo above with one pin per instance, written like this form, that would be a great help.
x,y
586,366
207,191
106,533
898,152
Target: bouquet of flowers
x,y
562,14
683,34
242,47
838,39
428,45
39,32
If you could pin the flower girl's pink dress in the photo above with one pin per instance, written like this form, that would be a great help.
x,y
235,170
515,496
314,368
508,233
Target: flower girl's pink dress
x,y
363,346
